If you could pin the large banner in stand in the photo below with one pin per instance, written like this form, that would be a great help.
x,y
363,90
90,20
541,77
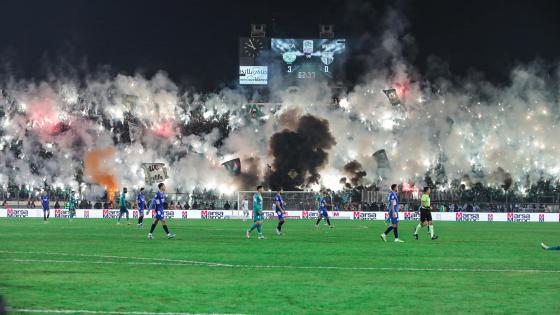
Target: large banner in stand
x,y
292,214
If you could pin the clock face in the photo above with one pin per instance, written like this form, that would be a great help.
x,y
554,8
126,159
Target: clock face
x,y
252,47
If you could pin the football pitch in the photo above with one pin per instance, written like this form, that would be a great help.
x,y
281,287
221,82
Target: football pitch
x,y
210,267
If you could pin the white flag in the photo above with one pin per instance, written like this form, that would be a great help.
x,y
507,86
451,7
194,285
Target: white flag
x,y
154,172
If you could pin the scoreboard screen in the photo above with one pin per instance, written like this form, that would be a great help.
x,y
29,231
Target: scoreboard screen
x,y
289,61
309,59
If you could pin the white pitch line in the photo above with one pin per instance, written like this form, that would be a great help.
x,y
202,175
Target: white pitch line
x,y
27,310
178,261
96,262
410,269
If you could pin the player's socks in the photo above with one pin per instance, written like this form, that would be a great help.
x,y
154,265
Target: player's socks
x,y
553,248
318,221
165,229
279,227
152,228
259,229
328,221
431,229
254,226
140,220
389,229
418,227
396,232
119,218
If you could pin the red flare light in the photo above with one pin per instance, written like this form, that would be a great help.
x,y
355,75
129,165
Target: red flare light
x,y
401,88
164,129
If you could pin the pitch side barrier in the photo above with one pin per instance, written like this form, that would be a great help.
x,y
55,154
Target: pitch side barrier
x,y
293,214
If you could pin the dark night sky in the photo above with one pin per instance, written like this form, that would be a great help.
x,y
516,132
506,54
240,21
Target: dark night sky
x,y
196,41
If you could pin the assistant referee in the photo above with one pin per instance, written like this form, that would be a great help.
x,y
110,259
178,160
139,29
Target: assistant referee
x,y
425,214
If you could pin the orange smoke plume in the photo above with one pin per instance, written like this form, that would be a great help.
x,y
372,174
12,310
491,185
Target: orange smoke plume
x,y
96,168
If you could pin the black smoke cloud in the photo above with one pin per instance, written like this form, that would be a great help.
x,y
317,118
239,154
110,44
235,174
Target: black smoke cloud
x,y
355,173
300,154
503,178
249,177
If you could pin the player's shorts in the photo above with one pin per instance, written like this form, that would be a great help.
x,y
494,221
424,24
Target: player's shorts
x,y
160,215
124,210
425,215
46,209
140,212
395,220
324,213
280,215
258,218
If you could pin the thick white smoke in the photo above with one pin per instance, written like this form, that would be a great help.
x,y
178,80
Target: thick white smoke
x,y
473,130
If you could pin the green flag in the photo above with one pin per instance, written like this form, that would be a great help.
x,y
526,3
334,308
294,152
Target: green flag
x,y
233,166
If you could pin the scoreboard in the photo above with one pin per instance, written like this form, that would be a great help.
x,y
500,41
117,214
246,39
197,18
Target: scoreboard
x,y
289,61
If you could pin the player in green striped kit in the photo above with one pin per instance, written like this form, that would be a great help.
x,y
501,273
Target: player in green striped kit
x,y
257,213
122,206
72,204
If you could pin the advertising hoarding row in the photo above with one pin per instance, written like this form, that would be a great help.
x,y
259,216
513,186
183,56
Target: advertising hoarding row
x,y
298,215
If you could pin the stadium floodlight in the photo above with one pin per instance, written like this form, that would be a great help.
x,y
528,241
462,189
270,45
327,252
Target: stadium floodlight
x,y
258,30
326,30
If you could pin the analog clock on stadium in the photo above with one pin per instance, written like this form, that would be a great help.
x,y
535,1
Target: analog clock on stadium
x,y
252,47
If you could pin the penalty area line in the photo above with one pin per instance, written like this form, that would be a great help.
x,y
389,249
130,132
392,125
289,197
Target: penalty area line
x,y
47,311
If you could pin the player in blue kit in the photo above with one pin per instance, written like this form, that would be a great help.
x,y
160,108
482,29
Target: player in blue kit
x,y
159,200
280,209
45,204
393,209
141,202
323,213
545,247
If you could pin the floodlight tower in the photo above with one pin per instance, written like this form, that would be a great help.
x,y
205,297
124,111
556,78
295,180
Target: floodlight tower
x,y
258,30
326,31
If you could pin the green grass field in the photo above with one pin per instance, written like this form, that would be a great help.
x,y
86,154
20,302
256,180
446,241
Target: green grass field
x,y
95,265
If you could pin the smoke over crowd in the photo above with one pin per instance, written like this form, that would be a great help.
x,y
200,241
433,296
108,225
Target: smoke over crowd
x,y
300,154
98,130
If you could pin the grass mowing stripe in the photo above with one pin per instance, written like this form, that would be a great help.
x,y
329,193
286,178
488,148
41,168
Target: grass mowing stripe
x,y
474,268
